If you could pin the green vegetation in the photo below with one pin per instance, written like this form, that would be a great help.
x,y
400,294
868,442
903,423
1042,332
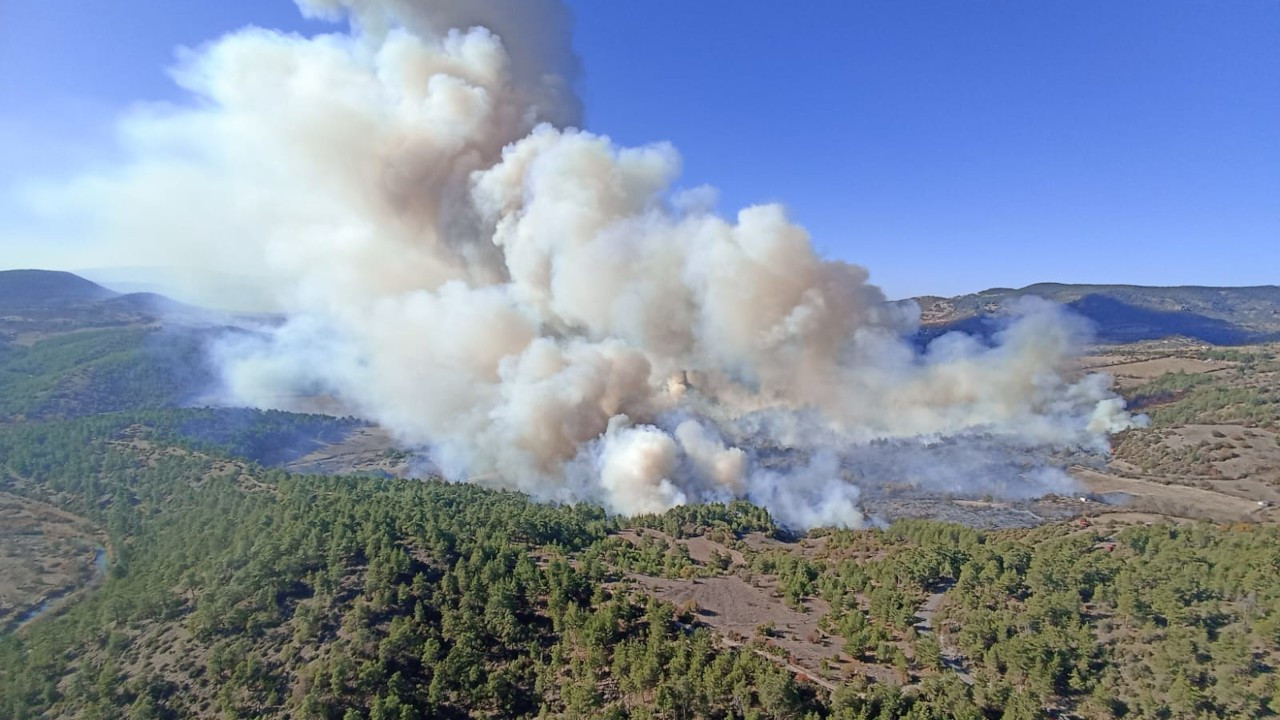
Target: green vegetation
x,y
1211,404
236,590
1246,394
1236,355
239,591
95,371
343,597
1175,622
1169,386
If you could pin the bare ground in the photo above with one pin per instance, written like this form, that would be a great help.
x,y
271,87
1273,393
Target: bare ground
x,y
1130,371
366,450
951,655
44,553
701,549
1146,495
735,609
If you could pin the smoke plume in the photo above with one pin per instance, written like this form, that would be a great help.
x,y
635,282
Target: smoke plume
x,y
537,307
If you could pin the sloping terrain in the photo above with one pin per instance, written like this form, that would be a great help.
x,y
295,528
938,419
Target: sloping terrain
x,y
1213,448
37,304
45,554
239,592
238,587
47,288
365,450
102,370
1126,313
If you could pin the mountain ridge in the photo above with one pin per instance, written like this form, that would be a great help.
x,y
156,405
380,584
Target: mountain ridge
x,y
37,288
1124,313
1220,315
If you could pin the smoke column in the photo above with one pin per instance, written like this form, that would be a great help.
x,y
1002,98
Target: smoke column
x,y
535,306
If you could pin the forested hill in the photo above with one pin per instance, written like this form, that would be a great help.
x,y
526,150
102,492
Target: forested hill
x,y
39,303
239,592
1127,313
39,288
234,589
43,299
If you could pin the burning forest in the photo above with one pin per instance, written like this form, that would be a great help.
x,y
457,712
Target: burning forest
x,y
534,307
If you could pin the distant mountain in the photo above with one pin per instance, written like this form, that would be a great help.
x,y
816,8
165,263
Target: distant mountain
x,y
45,288
52,301
1126,313
153,304
37,303
231,292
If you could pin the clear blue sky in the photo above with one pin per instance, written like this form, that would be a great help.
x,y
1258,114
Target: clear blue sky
x,y
949,145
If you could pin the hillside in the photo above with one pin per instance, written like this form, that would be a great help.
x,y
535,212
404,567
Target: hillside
x,y
41,301
233,591
44,288
1127,313
38,304
162,561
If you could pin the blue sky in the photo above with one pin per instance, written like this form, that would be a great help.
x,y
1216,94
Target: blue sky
x,y
949,146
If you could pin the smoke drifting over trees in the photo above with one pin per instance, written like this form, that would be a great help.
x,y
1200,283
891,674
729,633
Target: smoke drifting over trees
x,y
537,307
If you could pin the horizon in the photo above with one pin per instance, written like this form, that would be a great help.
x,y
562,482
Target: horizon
x,y
145,280
1134,151
556,359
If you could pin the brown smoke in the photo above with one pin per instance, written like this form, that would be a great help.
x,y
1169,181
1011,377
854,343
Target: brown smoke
x,y
530,301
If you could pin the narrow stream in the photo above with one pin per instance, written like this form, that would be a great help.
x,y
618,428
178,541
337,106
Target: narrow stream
x,y
53,601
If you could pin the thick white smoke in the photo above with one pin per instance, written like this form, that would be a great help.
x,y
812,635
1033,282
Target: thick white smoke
x,y
528,300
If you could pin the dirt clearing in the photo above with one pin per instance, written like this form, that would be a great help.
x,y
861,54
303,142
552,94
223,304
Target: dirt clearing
x,y
44,553
1149,496
365,451
737,610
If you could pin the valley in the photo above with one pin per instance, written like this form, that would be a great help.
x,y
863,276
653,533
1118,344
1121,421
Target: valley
x,y
269,564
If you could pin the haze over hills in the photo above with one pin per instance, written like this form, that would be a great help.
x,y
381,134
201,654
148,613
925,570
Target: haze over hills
x,y
1121,313
35,303
1127,313
159,560
40,288
539,431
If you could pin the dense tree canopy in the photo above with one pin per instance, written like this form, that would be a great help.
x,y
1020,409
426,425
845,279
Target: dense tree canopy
x,y
238,590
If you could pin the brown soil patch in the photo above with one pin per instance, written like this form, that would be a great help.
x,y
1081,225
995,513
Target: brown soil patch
x,y
1237,452
44,553
1235,460
1131,372
1149,496
366,450
701,548
735,609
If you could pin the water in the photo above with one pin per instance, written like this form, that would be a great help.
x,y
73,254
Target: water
x,y
99,572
